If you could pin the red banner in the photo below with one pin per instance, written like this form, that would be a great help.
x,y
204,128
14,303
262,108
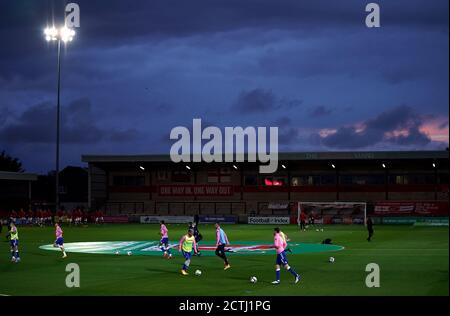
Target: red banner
x,y
195,190
412,208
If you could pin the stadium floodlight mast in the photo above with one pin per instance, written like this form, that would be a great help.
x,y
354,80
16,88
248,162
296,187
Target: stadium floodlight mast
x,y
65,35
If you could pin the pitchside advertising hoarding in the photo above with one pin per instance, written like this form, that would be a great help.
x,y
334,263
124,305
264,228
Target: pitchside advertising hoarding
x,y
434,208
166,219
188,219
218,219
270,220
116,219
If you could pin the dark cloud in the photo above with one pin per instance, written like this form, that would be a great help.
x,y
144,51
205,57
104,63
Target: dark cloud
x,y
443,125
78,126
288,135
290,103
149,65
398,117
347,137
123,136
415,137
381,129
262,101
255,101
283,121
320,111
175,17
120,23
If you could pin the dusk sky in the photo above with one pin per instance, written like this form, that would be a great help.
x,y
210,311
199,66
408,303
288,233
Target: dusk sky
x,y
137,69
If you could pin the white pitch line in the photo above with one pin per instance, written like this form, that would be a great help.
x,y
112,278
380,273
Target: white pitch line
x,y
4,294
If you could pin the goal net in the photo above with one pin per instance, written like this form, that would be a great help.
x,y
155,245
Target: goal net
x,y
332,212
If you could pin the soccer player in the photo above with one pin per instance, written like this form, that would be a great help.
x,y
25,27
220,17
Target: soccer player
x,y
187,243
164,242
221,242
59,242
14,242
285,240
282,260
197,235
303,221
369,228
311,219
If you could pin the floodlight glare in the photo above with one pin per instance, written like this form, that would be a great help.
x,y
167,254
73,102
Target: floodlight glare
x,y
64,34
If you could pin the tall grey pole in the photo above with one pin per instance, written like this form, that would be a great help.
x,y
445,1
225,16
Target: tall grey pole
x,y
57,126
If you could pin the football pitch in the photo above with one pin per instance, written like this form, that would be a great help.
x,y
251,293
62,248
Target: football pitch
x,y
413,261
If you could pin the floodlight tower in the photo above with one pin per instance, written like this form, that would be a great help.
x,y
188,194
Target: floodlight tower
x,y
65,35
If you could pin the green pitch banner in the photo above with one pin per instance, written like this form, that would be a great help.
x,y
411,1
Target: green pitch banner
x,y
152,248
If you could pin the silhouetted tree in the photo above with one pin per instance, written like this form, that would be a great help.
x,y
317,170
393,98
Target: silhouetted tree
x,y
8,163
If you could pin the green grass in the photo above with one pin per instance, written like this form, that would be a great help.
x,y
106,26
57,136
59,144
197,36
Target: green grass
x,y
412,260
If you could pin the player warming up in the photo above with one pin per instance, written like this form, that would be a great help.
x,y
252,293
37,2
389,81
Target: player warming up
x,y
14,241
197,235
164,242
221,242
59,242
303,221
187,244
285,240
369,228
282,260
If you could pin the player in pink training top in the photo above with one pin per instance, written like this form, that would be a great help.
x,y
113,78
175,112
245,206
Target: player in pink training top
x,y
164,242
59,242
280,245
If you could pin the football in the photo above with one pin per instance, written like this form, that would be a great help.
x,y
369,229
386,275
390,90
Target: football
x,y
331,259
129,253
253,279
198,272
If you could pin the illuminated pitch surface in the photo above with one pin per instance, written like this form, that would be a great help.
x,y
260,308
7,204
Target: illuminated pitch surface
x,y
413,261
152,248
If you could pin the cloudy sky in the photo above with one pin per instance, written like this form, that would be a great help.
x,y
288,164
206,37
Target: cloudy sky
x,y
137,69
